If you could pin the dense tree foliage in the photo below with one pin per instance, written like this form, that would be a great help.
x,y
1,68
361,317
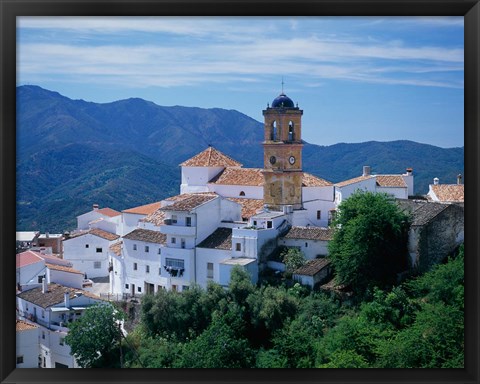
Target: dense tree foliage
x,y
369,246
293,258
416,324
95,338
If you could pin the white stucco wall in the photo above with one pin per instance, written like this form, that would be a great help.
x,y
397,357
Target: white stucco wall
x,y
195,179
342,193
205,256
28,275
310,248
67,279
83,257
27,345
251,192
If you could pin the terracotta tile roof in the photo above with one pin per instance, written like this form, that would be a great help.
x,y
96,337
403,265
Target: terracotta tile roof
x,y
250,207
353,181
449,192
116,248
24,326
309,180
144,209
191,201
53,296
57,267
390,181
155,218
146,235
427,212
310,233
211,157
27,258
240,176
108,212
220,239
96,232
312,267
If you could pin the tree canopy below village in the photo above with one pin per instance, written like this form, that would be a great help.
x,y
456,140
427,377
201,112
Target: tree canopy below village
x,y
369,246
416,324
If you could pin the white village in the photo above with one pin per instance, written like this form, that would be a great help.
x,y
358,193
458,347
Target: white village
x,y
223,216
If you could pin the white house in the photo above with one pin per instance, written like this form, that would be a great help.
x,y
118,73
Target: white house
x,y
312,241
313,272
131,216
51,307
30,268
111,218
27,342
88,251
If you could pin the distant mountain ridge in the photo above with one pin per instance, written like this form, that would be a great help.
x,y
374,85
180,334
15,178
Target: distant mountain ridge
x,y
73,153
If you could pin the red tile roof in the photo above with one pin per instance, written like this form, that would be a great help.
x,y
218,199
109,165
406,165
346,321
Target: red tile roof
x,y
309,180
395,181
108,212
96,232
27,258
449,192
312,267
155,218
144,209
116,248
221,238
353,181
211,157
63,268
24,326
310,233
250,207
53,296
146,235
240,176
190,201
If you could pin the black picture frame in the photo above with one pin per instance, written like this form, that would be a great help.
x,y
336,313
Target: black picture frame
x,y
10,9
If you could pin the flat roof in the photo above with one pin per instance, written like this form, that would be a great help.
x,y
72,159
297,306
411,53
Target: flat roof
x,y
237,261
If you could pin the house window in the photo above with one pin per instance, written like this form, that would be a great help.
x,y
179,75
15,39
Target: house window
x,y
176,263
182,241
134,247
62,341
238,247
20,359
255,222
159,251
174,219
269,224
209,270
99,250
147,269
135,266
185,287
147,248
160,270
242,193
126,286
306,245
97,264
174,240
86,245
319,215
139,289
43,335
188,221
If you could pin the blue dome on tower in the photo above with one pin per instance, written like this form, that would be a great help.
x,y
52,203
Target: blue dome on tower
x,y
282,101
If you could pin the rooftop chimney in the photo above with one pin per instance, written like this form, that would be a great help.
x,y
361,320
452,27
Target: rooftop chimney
x,y
44,285
409,171
459,179
66,299
95,207
366,170
435,181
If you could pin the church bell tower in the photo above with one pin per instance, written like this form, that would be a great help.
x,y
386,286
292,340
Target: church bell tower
x,y
282,154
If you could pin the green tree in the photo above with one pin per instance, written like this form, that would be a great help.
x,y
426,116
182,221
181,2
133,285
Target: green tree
x,y
293,258
95,338
369,246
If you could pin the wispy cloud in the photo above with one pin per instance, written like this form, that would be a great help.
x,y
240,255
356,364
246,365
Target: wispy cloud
x,y
230,48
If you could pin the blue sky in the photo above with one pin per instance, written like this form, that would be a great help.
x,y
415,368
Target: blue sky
x,y
356,78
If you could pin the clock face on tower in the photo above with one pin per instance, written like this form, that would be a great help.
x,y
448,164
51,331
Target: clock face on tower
x,y
273,159
291,160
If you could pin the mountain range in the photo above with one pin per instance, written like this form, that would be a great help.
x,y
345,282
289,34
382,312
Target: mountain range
x,y
73,153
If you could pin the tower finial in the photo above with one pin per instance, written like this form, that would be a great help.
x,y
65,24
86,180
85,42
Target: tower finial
x,y
282,84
